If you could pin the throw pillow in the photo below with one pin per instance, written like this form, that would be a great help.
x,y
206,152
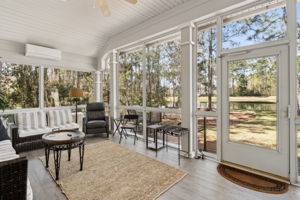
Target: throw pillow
x,y
3,132
34,120
42,119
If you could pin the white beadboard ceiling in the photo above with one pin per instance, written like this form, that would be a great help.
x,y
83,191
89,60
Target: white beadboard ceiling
x,y
74,26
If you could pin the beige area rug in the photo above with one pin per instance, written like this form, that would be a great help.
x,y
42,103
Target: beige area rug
x,y
113,172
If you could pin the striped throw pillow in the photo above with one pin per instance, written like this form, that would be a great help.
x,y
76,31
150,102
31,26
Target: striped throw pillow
x,y
63,117
34,120
69,116
57,121
51,118
42,119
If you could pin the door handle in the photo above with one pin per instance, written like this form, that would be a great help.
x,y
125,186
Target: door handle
x,y
288,111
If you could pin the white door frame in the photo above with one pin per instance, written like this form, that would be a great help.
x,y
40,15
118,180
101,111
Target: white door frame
x,y
277,161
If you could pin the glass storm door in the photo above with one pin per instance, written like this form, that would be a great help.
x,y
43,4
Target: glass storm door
x,y
255,96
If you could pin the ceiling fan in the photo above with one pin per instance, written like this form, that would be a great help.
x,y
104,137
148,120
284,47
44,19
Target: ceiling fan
x,y
104,7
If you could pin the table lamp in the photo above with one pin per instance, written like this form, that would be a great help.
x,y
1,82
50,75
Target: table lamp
x,y
76,93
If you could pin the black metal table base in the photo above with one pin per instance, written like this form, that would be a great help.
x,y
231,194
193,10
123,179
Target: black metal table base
x,y
178,132
57,158
117,123
57,149
156,129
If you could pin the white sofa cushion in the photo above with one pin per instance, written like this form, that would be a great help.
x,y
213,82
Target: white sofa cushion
x,y
31,132
63,116
56,118
7,152
34,120
31,121
4,144
51,118
42,119
62,119
23,121
69,126
69,117
20,120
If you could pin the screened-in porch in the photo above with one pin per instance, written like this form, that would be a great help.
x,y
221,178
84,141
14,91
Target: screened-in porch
x,y
145,90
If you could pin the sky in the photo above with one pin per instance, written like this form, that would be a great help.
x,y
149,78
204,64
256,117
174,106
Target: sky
x,y
241,39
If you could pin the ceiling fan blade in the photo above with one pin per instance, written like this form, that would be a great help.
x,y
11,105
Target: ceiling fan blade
x,y
132,1
104,7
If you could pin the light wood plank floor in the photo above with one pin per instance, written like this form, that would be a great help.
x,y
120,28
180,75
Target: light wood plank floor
x,y
202,183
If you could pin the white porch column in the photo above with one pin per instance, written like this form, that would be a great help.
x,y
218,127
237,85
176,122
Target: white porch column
x,y
98,90
114,94
41,88
292,36
187,86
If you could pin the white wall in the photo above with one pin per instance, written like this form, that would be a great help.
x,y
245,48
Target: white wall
x,y
192,10
15,52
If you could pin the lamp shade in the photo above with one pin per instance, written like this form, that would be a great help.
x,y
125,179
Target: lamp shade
x,y
76,93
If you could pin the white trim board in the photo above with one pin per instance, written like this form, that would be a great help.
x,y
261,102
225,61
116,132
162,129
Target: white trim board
x,y
14,52
11,112
193,10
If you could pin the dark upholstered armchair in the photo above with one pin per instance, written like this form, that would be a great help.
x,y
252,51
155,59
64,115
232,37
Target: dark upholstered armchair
x,y
95,121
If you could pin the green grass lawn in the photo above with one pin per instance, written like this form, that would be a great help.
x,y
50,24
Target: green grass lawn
x,y
270,99
259,131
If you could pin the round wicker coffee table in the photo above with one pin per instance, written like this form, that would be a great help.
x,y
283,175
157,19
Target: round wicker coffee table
x,y
61,140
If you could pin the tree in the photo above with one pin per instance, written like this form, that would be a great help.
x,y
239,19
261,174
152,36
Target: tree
x,y
106,87
262,27
163,74
130,78
58,83
20,84
206,63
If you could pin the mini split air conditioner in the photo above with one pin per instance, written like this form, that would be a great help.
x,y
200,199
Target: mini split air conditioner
x,y
42,52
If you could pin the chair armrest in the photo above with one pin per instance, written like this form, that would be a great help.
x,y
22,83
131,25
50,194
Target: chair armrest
x,y
84,119
107,122
14,134
13,176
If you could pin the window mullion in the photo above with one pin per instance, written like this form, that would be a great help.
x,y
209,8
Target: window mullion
x,y
219,87
41,88
144,91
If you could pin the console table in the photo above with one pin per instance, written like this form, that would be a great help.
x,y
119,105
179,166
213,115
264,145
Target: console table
x,y
156,129
178,132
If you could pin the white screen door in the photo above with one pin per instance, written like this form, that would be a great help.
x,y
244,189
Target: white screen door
x,y
255,126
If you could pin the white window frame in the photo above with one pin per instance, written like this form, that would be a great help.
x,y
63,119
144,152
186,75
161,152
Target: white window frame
x,y
291,40
173,35
212,22
41,106
292,34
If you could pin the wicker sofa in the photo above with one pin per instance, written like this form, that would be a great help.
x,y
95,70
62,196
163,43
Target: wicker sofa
x,y
14,183
29,127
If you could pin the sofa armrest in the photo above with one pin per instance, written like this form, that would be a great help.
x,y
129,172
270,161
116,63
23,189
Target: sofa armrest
x,y
13,176
14,134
